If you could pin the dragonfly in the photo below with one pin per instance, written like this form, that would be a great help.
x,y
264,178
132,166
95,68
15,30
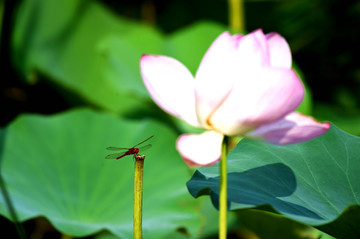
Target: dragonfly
x,y
128,151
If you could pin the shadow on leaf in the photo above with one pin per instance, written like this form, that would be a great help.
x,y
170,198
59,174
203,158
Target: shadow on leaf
x,y
257,186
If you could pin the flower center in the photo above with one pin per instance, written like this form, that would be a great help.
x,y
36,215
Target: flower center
x,y
209,123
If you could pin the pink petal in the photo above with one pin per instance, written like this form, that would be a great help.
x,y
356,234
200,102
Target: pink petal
x,y
200,149
221,66
213,77
294,128
259,97
253,51
171,85
280,54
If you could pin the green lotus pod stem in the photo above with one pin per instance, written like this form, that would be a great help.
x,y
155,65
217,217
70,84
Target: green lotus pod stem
x,y
223,192
138,195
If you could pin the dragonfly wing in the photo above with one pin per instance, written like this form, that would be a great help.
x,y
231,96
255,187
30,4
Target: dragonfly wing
x,y
145,147
114,156
116,148
144,141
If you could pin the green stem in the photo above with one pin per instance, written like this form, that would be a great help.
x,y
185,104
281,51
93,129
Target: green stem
x,y
223,193
236,15
138,194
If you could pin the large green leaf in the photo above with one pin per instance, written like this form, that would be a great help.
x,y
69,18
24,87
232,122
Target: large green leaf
x,y
312,182
55,167
119,66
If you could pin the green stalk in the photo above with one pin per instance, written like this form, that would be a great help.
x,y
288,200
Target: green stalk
x,y
223,193
138,195
236,15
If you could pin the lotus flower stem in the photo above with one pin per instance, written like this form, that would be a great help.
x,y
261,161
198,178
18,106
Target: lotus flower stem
x,y
223,193
236,15
138,194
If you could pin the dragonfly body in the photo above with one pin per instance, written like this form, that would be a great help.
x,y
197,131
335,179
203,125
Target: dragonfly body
x,y
128,151
133,151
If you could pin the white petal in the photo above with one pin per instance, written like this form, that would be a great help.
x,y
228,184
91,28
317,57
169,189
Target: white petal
x,y
200,149
171,85
294,128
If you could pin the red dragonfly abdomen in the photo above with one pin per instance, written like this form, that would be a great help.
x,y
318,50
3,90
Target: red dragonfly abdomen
x,y
130,151
133,151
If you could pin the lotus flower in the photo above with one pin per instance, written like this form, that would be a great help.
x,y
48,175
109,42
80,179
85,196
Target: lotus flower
x,y
243,86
